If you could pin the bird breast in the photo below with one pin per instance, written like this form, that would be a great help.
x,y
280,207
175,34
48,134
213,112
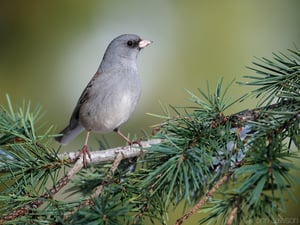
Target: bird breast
x,y
110,104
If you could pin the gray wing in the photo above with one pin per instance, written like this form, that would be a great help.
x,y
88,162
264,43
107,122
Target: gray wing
x,y
75,128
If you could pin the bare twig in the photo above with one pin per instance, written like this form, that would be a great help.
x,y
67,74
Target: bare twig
x,y
203,199
110,155
99,189
232,216
113,168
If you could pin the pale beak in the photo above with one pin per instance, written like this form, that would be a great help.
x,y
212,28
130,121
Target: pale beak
x,y
144,43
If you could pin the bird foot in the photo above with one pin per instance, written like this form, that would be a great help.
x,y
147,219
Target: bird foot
x,y
84,151
138,142
129,142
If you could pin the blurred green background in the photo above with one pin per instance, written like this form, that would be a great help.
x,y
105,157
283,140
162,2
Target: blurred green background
x,y
49,50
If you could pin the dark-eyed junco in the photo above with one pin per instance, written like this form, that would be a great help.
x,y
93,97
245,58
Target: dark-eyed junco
x,y
112,94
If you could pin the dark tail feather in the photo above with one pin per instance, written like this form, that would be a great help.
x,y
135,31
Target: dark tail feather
x,y
68,134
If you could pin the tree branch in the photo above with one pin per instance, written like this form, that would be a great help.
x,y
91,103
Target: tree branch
x,y
134,151
111,154
203,200
118,153
98,190
232,216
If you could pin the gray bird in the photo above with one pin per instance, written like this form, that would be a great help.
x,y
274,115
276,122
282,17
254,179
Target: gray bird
x,y
112,94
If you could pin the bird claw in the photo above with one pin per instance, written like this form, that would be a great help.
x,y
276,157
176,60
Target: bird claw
x,y
129,142
84,151
138,142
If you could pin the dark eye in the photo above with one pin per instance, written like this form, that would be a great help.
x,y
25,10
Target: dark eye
x,y
130,43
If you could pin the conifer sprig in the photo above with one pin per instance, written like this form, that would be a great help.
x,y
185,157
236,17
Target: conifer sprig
x,y
237,167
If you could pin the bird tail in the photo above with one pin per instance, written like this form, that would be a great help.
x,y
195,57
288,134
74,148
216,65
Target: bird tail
x,y
68,134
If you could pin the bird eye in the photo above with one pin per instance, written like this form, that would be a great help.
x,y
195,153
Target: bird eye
x,y
130,43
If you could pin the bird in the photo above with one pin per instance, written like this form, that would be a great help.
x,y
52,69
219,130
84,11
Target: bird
x,y
111,96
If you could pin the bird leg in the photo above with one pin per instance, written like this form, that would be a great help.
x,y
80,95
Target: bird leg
x,y
84,150
129,142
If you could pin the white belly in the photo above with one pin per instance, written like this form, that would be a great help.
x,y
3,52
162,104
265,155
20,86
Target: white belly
x,y
107,112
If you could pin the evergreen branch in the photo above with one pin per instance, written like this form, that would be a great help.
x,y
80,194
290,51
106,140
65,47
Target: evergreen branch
x,y
130,152
109,155
99,189
115,154
194,154
276,77
193,130
37,203
240,118
203,200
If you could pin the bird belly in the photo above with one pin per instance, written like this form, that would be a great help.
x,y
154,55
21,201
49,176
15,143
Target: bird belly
x,y
104,114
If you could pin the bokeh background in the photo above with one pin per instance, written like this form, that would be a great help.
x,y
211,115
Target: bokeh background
x,y
49,50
